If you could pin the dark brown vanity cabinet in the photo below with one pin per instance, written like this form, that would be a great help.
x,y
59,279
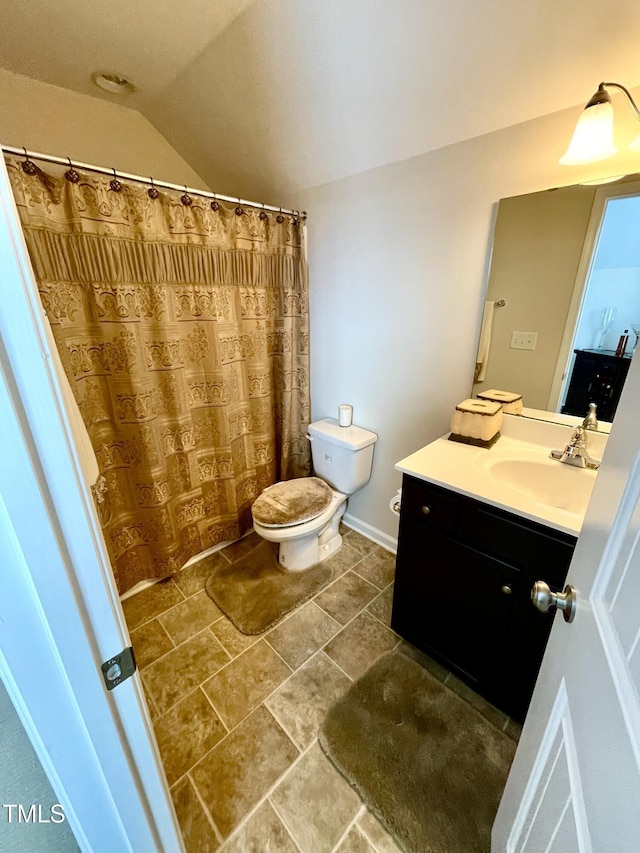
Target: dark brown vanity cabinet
x,y
464,574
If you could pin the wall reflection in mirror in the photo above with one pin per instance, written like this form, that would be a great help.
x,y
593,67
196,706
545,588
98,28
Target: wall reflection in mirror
x,y
566,262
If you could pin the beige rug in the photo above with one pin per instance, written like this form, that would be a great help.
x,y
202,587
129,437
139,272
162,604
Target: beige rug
x,y
424,761
255,594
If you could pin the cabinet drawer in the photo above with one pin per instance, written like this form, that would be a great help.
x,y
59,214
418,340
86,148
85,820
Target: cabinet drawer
x,y
429,505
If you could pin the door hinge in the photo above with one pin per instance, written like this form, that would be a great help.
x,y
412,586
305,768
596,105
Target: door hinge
x,y
118,668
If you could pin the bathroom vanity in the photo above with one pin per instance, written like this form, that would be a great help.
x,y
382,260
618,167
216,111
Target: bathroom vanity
x,y
477,528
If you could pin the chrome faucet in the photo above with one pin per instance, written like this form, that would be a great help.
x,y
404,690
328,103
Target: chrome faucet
x,y
575,453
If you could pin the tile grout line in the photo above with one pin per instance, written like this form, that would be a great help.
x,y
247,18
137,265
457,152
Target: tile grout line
x,y
343,575
283,726
231,730
166,610
328,640
186,696
229,651
237,657
353,618
274,691
350,826
328,657
155,616
277,653
205,809
269,792
216,712
374,585
148,622
184,642
180,604
366,834
188,693
272,790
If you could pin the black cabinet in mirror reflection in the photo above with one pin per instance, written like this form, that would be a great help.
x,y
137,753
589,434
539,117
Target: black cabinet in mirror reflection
x,y
598,377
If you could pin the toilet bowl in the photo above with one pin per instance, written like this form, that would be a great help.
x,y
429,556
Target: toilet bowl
x,y
303,515
309,542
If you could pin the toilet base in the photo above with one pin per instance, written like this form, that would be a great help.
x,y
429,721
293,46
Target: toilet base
x,y
296,555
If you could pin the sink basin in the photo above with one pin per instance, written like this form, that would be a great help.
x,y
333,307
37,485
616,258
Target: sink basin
x,y
545,481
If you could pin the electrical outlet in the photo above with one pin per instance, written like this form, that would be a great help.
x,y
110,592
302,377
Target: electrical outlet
x,y
524,340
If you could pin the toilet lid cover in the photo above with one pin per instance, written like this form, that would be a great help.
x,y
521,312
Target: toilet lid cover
x,y
292,502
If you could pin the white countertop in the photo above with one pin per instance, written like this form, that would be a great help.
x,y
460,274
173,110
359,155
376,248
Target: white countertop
x,y
466,469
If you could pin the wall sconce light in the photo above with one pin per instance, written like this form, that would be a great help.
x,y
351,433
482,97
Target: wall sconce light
x,y
593,137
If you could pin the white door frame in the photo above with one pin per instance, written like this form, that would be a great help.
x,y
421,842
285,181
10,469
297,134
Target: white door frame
x,y
562,373
60,614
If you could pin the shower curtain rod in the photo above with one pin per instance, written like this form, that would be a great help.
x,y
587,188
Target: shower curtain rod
x,y
66,161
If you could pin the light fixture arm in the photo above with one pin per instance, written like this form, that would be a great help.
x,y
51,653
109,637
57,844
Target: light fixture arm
x,y
634,106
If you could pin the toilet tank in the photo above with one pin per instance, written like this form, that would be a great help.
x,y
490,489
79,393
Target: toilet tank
x,y
342,456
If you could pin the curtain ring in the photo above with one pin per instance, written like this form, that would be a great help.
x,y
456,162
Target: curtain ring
x,y
114,183
152,192
280,218
295,219
214,204
71,175
28,167
185,198
239,210
263,213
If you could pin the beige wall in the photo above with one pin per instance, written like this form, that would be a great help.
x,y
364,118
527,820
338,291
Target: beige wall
x,y
538,242
398,267
51,120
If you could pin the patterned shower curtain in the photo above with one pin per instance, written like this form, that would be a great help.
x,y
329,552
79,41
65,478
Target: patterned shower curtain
x,y
183,328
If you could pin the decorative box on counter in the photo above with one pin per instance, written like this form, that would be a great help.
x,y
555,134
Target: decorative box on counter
x,y
510,401
476,422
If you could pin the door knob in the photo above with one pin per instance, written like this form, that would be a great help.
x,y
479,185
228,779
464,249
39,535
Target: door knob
x,y
544,598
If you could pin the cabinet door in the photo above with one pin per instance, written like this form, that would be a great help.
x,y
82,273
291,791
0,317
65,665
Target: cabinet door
x,y
451,601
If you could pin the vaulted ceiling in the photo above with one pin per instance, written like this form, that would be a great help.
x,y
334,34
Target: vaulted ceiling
x,y
264,97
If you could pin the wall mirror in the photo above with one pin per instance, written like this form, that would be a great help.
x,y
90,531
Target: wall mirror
x,y
564,277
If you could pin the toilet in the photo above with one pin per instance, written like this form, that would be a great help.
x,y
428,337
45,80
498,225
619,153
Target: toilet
x,y
303,515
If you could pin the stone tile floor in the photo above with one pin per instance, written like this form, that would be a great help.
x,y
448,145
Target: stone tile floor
x,y
236,717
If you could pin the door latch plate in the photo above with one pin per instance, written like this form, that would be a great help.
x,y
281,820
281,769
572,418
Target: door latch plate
x,y
118,668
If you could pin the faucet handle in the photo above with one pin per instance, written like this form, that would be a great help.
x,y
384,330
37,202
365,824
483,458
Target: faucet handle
x,y
579,437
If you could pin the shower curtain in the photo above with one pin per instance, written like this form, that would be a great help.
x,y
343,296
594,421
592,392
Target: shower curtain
x,y
183,327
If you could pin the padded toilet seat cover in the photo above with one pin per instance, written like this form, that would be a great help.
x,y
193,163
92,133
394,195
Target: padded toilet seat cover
x,y
292,502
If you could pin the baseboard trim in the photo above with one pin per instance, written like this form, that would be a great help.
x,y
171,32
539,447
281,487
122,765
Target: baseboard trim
x,y
390,543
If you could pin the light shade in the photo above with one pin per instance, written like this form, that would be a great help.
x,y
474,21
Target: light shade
x,y
635,145
593,136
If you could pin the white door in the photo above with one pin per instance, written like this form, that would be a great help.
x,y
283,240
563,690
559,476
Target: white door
x,y
575,781
60,615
